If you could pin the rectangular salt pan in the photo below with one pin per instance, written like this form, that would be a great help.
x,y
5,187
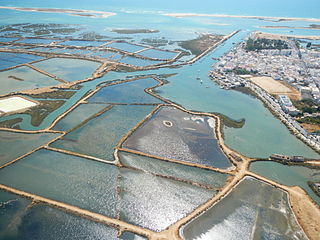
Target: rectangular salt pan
x,y
15,104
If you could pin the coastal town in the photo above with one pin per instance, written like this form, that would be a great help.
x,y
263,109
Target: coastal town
x,y
284,73
157,126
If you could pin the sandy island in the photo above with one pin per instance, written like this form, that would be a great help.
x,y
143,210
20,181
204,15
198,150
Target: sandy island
x,y
73,12
289,27
182,15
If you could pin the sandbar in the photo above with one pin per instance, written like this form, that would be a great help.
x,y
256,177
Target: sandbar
x,y
182,15
74,12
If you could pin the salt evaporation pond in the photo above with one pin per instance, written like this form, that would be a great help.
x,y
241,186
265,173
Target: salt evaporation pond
x,y
129,92
7,39
10,206
154,202
201,176
174,134
78,115
20,221
23,78
288,175
125,46
144,199
36,41
82,43
12,59
100,135
77,181
139,62
21,143
252,210
68,69
158,54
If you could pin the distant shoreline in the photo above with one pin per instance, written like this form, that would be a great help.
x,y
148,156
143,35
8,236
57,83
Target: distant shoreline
x,y
74,12
279,19
288,27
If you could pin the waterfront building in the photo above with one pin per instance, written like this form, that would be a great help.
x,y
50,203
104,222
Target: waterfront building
x,y
287,105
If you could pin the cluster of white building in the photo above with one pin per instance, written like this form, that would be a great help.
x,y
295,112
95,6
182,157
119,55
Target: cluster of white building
x,y
299,67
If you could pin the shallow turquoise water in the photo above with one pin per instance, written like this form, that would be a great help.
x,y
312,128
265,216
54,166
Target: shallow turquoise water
x,y
87,86
82,43
129,92
262,134
35,41
288,175
78,115
125,47
20,144
154,53
68,69
259,136
99,136
30,79
93,186
139,62
18,221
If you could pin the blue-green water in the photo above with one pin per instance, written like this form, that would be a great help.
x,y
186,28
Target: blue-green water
x,y
30,79
68,69
62,177
258,138
130,92
20,144
288,175
262,134
100,135
138,61
86,87
78,115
